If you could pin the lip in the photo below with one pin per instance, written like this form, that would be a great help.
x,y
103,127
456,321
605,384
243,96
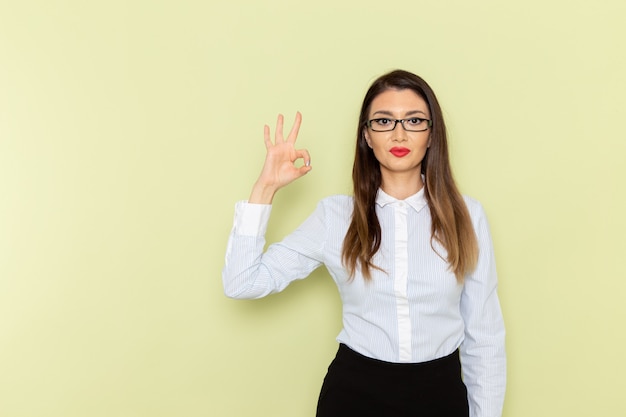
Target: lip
x,y
399,151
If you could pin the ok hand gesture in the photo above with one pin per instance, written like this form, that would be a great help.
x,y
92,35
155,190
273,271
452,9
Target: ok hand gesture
x,y
280,162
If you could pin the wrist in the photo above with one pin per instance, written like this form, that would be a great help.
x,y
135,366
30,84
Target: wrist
x,y
262,193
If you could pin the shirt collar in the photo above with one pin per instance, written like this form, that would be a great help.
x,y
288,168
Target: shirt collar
x,y
417,200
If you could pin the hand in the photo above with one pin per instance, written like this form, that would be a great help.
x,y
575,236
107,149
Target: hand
x,y
280,162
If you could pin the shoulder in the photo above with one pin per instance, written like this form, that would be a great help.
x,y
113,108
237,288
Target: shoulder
x,y
471,202
336,205
475,208
338,199
479,218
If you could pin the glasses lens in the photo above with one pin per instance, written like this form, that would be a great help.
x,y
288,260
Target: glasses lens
x,y
415,124
382,125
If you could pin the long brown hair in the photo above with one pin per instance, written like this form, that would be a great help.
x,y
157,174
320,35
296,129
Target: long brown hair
x,y
451,223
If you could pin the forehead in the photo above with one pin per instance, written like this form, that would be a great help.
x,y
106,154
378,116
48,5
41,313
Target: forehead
x,y
399,102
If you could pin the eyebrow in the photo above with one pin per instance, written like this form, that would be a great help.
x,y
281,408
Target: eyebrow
x,y
388,113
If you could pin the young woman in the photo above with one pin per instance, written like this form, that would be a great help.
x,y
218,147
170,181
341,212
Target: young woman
x,y
422,333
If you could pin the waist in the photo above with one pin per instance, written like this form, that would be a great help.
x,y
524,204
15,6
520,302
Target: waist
x,y
449,364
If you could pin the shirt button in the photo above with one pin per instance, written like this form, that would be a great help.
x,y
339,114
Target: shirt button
x,y
401,204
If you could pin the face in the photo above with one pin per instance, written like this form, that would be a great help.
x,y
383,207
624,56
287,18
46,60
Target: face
x,y
399,152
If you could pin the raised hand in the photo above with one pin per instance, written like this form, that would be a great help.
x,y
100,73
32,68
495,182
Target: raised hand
x,y
280,166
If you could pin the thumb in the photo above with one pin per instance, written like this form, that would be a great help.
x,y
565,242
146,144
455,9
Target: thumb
x,y
303,170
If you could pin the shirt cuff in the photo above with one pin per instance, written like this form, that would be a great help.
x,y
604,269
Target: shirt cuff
x,y
251,219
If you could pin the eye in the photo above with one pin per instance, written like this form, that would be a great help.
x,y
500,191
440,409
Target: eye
x,y
382,121
414,121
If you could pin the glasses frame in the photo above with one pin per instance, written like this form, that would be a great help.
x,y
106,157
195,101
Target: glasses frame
x,y
395,123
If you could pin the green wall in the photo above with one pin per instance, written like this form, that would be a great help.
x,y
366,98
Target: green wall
x,y
128,129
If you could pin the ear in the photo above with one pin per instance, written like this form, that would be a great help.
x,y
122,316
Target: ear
x,y
366,135
429,140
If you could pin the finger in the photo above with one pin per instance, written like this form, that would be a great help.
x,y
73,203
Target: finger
x,y
293,134
304,154
304,169
267,137
279,128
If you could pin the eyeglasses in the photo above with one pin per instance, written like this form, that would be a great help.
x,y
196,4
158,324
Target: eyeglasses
x,y
412,124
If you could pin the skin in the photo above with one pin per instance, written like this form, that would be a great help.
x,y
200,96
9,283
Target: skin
x,y
280,167
400,175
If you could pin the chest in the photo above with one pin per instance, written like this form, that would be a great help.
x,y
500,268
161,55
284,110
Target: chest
x,y
412,265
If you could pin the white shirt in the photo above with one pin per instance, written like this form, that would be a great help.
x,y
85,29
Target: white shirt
x,y
415,311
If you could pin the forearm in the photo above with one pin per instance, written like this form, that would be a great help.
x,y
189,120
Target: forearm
x,y
484,374
243,275
251,273
245,250
262,193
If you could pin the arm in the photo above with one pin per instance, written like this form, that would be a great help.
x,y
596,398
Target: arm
x,y
248,273
483,356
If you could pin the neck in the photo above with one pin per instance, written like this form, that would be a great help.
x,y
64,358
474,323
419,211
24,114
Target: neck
x,y
401,185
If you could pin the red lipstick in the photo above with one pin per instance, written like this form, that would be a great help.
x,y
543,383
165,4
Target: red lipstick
x,y
399,151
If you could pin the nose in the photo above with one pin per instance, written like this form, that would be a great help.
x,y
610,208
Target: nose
x,y
399,132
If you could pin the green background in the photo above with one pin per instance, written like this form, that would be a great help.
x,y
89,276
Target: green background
x,y
128,130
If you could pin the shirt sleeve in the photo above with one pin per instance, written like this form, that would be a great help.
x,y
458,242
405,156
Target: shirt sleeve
x,y
483,356
249,272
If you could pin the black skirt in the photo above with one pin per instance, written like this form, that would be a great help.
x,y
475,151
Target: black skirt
x,y
356,385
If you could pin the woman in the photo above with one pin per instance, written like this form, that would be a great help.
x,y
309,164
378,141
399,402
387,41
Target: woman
x,y
412,259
